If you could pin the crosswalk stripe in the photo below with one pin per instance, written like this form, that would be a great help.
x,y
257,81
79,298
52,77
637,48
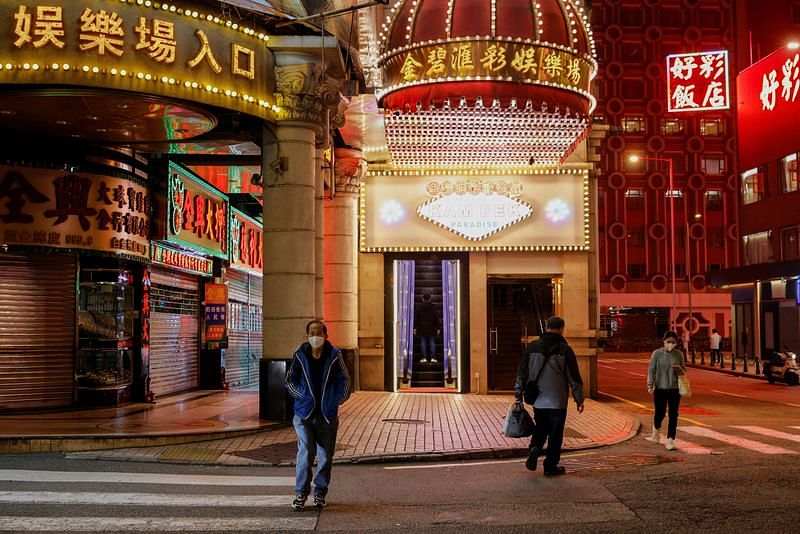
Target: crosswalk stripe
x,y
737,441
770,433
160,524
692,448
142,499
25,475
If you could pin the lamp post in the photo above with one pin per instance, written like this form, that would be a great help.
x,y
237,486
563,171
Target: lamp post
x,y
687,244
636,158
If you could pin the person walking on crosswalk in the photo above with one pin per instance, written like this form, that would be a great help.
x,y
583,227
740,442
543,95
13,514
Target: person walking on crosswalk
x,y
666,364
318,380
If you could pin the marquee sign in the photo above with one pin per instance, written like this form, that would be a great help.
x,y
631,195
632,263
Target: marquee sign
x,y
61,209
182,261
247,243
469,210
698,81
768,109
197,214
142,46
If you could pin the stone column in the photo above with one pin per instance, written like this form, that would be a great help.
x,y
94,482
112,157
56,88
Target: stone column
x,y
341,250
319,266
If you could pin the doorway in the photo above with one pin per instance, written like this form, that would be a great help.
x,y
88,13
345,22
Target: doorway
x,y
425,323
517,312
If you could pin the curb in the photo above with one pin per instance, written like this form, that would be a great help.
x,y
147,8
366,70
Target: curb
x,y
726,371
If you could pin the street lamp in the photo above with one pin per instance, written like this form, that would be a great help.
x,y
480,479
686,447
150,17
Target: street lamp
x,y
687,245
634,158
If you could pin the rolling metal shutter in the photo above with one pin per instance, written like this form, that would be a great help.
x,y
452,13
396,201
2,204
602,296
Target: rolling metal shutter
x,y
174,331
37,330
244,332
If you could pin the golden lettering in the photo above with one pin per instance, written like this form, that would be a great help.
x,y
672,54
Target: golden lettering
x,y
22,28
552,65
159,42
462,59
204,53
574,71
494,58
525,61
436,58
102,30
249,71
410,67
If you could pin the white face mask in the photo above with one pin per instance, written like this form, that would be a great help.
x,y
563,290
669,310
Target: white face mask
x,y
669,345
316,341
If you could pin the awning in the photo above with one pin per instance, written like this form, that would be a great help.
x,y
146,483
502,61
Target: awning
x,y
749,274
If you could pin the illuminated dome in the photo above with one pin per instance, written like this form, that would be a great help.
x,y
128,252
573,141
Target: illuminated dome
x,y
486,81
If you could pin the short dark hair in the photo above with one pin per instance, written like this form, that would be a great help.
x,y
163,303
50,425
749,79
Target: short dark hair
x,y
317,321
670,334
713,330
426,297
555,323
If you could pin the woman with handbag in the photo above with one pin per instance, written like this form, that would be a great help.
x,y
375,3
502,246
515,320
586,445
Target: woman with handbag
x,y
666,366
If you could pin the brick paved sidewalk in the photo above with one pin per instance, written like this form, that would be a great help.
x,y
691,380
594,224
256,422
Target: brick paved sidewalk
x,y
383,427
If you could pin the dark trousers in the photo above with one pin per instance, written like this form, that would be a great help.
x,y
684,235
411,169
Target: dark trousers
x,y
715,355
549,427
428,344
662,398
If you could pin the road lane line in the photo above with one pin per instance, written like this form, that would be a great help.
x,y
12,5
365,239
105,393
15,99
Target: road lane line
x,y
155,524
467,464
25,475
795,405
744,443
641,375
730,394
142,499
770,433
692,448
648,408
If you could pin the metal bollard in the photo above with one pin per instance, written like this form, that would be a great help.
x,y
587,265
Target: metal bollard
x,y
733,361
721,360
744,367
758,366
693,357
702,357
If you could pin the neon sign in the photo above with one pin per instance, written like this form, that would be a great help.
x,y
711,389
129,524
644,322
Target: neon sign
x,y
698,81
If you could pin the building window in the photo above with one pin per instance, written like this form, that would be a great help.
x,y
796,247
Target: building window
x,y
710,127
636,237
634,200
713,165
789,173
637,271
758,248
754,185
673,193
789,243
716,237
672,126
633,125
679,270
713,200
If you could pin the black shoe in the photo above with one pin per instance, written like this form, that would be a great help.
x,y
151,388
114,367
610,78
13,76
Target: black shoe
x,y
319,501
299,502
557,470
533,458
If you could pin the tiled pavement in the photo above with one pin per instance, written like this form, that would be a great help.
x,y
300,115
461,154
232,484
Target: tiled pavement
x,y
382,427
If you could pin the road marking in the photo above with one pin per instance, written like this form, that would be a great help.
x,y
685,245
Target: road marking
x,y
648,408
467,464
642,375
24,475
795,405
141,499
729,394
692,448
149,524
756,446
770,433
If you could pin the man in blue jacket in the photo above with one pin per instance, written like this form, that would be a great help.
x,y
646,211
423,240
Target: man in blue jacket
x,y
317,379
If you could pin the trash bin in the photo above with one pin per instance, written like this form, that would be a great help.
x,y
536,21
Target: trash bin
x,y
274,402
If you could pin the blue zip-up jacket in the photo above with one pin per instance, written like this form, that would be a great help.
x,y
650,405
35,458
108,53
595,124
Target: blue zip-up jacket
x,y
335,382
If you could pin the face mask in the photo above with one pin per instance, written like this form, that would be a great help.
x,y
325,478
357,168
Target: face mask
x,y
669,346
316,341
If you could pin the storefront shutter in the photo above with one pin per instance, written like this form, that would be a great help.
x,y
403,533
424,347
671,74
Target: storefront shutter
x,y
37,330
244,332
174,331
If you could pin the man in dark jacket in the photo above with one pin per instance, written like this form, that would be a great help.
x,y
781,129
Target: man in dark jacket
x,y
426,326
317,379
551,363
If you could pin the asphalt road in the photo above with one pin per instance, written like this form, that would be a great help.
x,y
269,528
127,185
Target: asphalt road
x,y
734,472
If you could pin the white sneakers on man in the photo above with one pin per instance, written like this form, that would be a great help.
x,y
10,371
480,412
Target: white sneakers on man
x,y
655,437
670,445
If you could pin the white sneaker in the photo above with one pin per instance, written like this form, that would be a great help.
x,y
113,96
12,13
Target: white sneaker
x,y
434,360
655,437
670,444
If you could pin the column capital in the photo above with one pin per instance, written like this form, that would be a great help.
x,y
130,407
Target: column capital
x,y
304,93
348,170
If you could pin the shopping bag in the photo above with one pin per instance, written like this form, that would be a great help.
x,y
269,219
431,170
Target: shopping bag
x,y
519,423
684,387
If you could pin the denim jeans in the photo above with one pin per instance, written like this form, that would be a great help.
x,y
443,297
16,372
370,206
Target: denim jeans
x,y
314,437
550,428
428,347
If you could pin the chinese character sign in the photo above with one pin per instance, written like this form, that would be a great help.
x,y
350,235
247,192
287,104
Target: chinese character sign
x,y
52,208
698,81
137,46
768,108
246,243
216,316
197,214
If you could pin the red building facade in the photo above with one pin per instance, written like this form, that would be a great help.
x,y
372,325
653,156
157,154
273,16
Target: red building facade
x,y
634,204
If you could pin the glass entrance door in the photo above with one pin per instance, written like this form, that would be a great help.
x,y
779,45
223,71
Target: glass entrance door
x,y
426,323
517,312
